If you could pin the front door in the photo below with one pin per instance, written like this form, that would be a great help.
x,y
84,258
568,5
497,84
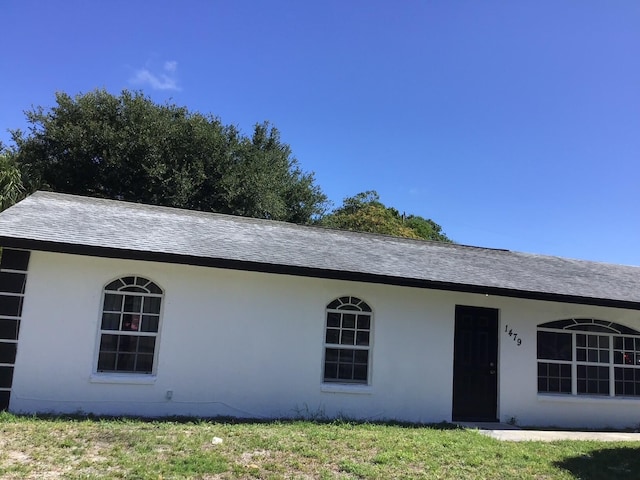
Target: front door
x,y
475,364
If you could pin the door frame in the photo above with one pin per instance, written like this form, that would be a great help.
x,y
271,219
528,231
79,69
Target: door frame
x,y
493,354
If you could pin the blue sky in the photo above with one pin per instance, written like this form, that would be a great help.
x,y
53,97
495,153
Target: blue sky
x,y
512,124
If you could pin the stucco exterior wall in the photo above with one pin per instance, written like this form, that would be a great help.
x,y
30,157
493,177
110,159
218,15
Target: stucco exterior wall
x,y
251,345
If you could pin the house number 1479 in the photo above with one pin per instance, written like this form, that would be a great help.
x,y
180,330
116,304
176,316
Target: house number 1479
x,y
513,335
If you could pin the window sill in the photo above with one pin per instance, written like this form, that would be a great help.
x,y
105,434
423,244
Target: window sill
x,y
130,379
549,397
346,388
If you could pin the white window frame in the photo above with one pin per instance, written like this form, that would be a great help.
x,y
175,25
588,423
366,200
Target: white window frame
x,y
152,290
614,331
347,304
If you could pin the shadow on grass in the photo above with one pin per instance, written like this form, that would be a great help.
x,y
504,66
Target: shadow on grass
x,y
608,463
227,420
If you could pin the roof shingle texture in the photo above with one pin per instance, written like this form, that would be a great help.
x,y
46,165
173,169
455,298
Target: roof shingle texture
x,y
73,220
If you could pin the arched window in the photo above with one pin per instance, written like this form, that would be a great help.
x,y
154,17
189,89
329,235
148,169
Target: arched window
x,y
584,356
129,326
347,341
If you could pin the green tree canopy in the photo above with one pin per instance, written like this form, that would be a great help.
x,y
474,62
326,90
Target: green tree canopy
x,y
128,147
365,212
11,187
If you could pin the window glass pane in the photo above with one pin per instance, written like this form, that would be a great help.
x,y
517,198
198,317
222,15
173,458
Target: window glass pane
x,y
591,328
364,322
132,304
543,369
146,344
153,288
115,285
581,355
125,362
346,355
130,323
14,259
347,337
559,324
109,343
333,305
110,321
333,320
581,340
12,282
330,371
554,346
345,371
348,307
604,356
603,341
9,329
141,281
7,352
333,335
331,355
362,338
542,384
144,363
10,305
112,303
592,355
133,288
361,356
129,343
592,341
129,280
152,305
617,358
593,380
6,377
106,362
348,320
618,342
150,323
554,378
625,330
359,372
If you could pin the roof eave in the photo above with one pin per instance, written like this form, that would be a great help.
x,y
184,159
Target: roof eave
x,y
164,257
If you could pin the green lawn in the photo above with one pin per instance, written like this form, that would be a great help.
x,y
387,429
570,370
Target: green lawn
x,y
73,448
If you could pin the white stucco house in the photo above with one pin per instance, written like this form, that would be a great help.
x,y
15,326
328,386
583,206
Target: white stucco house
x,y
126,309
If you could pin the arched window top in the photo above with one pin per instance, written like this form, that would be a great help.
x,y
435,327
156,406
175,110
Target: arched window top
x,y
134,284
349,303
589,325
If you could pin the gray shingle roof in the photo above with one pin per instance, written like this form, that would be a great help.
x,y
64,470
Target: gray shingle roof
x,y
57,222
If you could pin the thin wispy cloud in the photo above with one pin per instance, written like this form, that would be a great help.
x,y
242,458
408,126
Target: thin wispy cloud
x,y
159,80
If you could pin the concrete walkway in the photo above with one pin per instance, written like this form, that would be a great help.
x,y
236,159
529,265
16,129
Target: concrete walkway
x,y
511,433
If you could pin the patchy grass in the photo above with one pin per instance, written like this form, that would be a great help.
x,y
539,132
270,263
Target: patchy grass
x,y
123,448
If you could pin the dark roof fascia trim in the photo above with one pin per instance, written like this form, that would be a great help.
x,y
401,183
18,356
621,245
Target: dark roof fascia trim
x,y
162,257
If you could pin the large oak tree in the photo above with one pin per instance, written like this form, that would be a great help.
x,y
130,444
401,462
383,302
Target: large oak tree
x,y
128,147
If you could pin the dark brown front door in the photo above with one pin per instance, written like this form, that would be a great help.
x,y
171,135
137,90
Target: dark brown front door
x,y
475,364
